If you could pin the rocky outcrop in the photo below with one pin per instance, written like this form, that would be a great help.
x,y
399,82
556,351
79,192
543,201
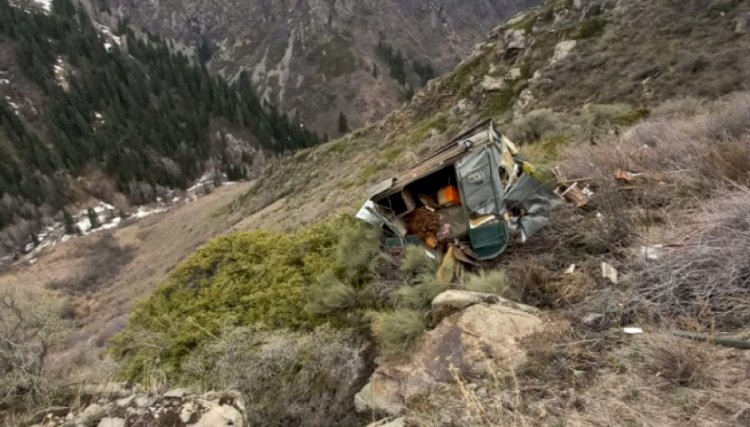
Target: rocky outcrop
x,y
515,40
114,405
467,344
452,301
562,50
318,58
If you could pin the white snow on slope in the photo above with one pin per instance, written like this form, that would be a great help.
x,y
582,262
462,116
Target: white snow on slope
x,y
45,4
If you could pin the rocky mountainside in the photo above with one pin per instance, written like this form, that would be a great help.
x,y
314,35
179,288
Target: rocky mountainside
x,y
319,58
91,112
640,103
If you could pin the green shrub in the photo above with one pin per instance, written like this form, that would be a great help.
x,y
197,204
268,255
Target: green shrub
x,y
417,262
536,125
722,5
397,331
420,294
590,28
491,282
632,117
252,278
330,295
499,102
597,119
358,247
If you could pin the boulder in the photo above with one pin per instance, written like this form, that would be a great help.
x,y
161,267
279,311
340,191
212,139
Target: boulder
x,y
515,40
525,98
490,84
741,24
562,50
220,416
112,422
379,397
454,300
186,414
125,401
92,412
143,401
514,74
481,339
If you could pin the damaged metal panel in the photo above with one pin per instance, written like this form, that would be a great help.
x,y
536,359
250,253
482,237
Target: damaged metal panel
x,y
479,181
535,199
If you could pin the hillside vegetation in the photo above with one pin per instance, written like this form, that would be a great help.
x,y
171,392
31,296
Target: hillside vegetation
x,y
122,111
302,300
320,58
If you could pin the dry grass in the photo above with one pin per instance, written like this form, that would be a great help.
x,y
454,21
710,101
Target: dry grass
x,y
600,380
693,165
157,243
287,378
666,381
676,158
707,280
101,259
681,363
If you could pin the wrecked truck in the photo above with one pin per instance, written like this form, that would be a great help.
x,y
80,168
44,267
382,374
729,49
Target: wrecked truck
x,y
474,194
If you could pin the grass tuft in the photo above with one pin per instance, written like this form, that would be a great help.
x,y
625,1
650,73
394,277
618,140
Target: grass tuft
x,y
397,331
494,282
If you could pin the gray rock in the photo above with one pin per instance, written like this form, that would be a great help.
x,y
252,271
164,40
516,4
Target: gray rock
x,y
513,74
380,398
125,401
480,339
515,40
143,401
112,422
741,24
177,393
390,422
91,414
187,412
562,50
220,416
452,301
525,98
490,84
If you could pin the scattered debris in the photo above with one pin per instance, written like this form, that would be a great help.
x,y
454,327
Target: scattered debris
x,y
654,252
574,194
632,330
592,319
474,195
571,269
625,176
725,341
610,273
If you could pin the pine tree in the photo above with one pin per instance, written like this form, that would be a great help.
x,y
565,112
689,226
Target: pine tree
x,y
93,218
69,224
122,111
343,124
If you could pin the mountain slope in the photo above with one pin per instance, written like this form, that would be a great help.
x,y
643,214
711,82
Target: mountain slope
x,y
319,58
87,113
691,152
524,66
